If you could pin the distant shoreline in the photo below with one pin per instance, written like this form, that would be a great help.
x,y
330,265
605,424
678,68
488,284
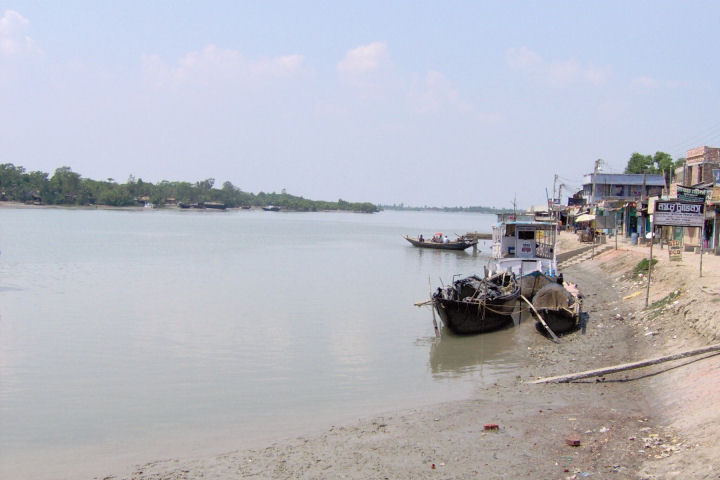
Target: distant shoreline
x,y
140,208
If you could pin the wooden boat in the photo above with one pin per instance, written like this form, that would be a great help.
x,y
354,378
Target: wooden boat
x,y
459,244
558,307
215,205
477,305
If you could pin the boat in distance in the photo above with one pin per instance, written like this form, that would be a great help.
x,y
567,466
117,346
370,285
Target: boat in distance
x,y
458,244
477,305
271,208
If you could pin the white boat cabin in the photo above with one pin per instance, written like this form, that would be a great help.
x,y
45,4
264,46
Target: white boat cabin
x,y
524,246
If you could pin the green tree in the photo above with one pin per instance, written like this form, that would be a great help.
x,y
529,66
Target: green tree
x,y
661,163
64,186
639,163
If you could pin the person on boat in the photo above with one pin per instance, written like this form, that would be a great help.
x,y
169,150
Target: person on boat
x,y
421,239
445,239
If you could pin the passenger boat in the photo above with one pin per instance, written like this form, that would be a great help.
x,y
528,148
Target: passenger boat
x,y
525,247
271,208
559,306
458,244
477,305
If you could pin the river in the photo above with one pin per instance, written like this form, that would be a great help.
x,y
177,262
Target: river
x,y
128,336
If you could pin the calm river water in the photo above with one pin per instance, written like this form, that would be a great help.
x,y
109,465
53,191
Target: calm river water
x,y
132,336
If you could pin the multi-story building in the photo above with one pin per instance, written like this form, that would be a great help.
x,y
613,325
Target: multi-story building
x,y
699,164
598,187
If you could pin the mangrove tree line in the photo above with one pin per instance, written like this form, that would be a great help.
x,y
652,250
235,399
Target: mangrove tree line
x,y
66,187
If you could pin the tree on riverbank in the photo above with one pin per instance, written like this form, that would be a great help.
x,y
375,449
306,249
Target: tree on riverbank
x,y
661,162
66,187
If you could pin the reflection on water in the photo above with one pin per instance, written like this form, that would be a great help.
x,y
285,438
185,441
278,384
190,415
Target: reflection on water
x,y
123,331
486,354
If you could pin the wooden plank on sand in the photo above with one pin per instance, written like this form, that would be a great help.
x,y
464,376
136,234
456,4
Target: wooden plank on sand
x,y
627,366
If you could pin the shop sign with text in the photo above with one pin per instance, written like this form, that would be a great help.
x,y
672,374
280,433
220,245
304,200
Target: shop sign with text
x,y
675,251
679,214
687,194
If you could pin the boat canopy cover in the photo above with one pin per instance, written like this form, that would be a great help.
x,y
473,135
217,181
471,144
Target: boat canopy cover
x,y
552,296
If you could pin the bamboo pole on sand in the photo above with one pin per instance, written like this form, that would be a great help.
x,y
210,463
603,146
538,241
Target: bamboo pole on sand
x,y
552,334
627,366
432,308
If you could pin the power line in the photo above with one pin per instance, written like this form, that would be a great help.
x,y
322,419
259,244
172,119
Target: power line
x,y
713,132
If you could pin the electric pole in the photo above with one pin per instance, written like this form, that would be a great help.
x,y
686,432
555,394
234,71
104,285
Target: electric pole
x,y
552,204
598,163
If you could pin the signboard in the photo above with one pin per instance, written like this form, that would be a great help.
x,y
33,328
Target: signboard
x,y
687,194
674,251
679,214
716,176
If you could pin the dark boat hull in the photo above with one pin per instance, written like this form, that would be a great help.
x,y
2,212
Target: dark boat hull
x,y
559,321
457,245
467,318
558,308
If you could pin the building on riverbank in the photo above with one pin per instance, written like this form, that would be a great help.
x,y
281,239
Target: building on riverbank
x,y
698,179
621,199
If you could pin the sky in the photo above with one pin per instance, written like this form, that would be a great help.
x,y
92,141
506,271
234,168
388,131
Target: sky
x,y
453,103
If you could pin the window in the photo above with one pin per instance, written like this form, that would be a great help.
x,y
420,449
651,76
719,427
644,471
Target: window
x,y
526,234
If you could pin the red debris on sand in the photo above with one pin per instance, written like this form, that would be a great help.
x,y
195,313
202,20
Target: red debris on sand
x,y
573,441
491,426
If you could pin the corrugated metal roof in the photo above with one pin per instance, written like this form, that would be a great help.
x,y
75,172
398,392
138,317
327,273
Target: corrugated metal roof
x,y
651,179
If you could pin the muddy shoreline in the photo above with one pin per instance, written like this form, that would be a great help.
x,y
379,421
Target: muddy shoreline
x,y
633,424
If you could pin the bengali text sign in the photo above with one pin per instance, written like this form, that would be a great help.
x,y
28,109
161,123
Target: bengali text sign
x,y
679,214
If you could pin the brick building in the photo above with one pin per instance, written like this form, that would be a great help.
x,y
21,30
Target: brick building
x,y
699,165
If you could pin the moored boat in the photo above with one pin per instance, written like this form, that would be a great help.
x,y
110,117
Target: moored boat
x,y
271,208
215,205
459,244
477,305
559,306
527,248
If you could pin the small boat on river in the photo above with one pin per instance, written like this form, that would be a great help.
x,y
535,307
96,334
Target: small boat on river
x,y
559,305
477,305
215,205
458,244
271,208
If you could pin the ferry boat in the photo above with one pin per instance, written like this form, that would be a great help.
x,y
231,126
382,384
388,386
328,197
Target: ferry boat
x,y
527,248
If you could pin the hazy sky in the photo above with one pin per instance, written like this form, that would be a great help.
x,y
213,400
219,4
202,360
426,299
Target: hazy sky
x,y
437,103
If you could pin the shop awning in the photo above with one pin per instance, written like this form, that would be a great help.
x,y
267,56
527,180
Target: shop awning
x,y
585,217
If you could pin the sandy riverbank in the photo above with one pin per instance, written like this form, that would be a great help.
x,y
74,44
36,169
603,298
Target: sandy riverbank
x,y
649,423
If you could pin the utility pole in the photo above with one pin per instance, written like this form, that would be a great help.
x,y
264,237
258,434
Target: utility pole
x,y
552,204
560,194
598,162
